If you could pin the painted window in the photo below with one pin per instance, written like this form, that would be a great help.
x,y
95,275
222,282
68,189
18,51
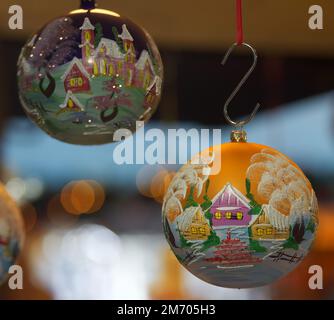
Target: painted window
x,y
111,69
218,215
103,50
202,230
120,67
260,232
87,36
129,80
239,215
103,67
76,82
126,45
96,70
228,215
193,230
87,49
269,231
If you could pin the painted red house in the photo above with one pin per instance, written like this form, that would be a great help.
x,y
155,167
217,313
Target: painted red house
x,y
145,71
87,44
111,59
153,91
230,208
130,52
76,78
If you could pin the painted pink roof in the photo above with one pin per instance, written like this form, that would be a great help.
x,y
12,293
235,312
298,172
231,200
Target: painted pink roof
x,y
87,25
125,35
230,198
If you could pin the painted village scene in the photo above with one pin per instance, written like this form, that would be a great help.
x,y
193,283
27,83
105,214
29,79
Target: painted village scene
x,y
233,240
81,86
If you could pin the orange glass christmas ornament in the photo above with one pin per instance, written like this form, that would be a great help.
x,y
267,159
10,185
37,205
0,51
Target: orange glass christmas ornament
x,y
246,224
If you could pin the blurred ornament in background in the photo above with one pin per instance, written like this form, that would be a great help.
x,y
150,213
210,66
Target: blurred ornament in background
x,y
11,233
89,73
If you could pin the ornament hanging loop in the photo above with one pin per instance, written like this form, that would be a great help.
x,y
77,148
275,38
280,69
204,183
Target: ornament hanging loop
x,y
87,4
240,123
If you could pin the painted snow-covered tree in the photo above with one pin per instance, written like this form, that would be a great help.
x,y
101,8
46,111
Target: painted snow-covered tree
x,y
56,45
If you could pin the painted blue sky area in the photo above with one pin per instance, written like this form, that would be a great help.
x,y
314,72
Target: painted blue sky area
x,y
302,130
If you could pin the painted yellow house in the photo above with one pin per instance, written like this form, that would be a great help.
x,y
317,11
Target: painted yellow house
x,y
71,103
193,225
270,225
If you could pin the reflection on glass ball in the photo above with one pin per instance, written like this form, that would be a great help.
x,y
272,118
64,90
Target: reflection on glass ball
x,y
85,75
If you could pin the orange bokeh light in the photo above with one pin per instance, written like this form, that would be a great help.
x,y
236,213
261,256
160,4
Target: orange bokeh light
x,y
160,183
82,197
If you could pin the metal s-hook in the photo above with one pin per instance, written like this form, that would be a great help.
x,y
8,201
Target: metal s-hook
x,y
240,123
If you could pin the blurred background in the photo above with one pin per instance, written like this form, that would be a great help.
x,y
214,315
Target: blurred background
x,y
94,228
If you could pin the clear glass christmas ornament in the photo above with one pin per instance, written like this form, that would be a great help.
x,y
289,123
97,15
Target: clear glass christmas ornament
x,y
89,73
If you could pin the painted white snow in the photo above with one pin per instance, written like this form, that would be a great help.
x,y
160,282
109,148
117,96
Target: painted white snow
x,y
157,82
71,96
87,25
125,35
276,219
78,63
231,191
112,48
143,60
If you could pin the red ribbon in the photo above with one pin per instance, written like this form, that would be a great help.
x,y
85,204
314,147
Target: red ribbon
x,y
240,33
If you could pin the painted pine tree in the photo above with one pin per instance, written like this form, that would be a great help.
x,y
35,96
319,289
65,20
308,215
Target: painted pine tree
x,y
213,239
98,34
